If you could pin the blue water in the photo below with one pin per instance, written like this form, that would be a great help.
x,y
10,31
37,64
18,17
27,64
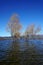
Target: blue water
x,y
5,46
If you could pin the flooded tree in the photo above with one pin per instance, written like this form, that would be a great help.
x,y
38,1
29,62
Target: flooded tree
x,y
32,30
38,29
14,26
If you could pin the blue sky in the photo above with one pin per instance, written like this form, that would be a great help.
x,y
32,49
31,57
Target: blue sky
x,y
30,11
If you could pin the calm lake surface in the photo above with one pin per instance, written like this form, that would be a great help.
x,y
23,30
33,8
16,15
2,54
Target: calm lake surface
x,y
37,45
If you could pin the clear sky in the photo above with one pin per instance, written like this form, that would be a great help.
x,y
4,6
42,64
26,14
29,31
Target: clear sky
x,y
30,11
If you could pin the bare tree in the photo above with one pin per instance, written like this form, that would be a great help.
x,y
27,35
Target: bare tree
x,y
14,25
31,30
38,29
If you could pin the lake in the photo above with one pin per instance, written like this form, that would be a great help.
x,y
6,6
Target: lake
x,y
26,52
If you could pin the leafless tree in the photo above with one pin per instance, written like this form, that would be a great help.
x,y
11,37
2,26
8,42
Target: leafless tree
x,y
31,30
14,25
38,29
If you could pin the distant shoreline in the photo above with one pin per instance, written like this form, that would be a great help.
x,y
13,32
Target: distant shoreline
x,y
33,37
